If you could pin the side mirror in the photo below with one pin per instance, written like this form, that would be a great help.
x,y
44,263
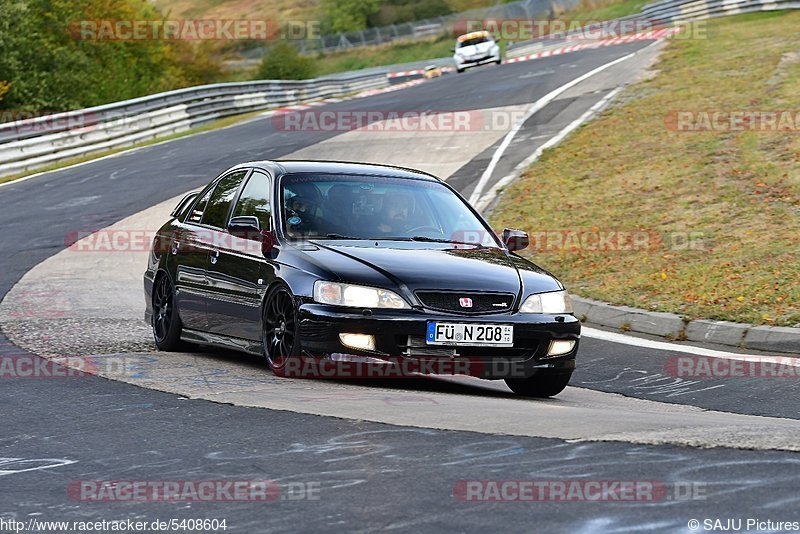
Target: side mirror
x,y
515,239
453,50
248,227
245,226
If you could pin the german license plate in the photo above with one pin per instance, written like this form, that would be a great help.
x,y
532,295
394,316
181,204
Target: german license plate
x,y
487,335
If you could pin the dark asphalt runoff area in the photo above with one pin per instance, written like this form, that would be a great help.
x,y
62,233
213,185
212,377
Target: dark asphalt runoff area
x,y
364,476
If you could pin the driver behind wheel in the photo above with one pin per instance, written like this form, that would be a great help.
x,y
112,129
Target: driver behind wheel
x,y
396,213
301,217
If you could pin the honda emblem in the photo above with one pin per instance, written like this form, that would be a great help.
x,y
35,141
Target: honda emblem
x,y
465,302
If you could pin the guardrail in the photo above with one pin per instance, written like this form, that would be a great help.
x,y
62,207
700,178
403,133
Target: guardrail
x,y
426,29
681,10
659,14
38,142
34,143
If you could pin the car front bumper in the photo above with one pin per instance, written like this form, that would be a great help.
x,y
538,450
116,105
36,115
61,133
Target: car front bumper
x,y
465,63
399,337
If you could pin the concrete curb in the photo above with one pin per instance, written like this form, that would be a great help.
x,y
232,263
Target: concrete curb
x,y
784,339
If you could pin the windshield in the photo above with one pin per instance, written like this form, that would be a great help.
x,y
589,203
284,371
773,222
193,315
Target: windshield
x,y
376,207
473,41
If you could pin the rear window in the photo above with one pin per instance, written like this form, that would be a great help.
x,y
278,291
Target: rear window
x,y
182,209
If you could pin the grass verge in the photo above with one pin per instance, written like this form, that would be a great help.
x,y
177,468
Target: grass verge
x,y
389,54
605,9
720,210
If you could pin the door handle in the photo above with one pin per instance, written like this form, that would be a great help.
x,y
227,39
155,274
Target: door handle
x,y
214,256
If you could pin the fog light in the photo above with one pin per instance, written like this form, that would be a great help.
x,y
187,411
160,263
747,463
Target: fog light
x,y
358,341
560,346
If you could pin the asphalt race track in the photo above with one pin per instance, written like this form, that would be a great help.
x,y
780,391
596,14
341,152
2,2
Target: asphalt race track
x,y
383,454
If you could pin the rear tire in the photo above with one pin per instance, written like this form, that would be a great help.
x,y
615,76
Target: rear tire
x,y
279,330
542,384
166,322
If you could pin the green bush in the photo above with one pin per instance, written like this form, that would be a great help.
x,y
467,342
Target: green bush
x,y
283,62
347,15
400,11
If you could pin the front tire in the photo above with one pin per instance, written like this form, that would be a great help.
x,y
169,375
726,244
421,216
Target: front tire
x,y
541,385
166,322
280,338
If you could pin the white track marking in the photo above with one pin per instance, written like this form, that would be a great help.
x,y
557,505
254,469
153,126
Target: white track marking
x,y
12,466
484,201
538,105
665,346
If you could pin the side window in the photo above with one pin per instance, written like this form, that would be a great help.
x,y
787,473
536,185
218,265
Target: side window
x,y
182,209
255,198
200,206
216,212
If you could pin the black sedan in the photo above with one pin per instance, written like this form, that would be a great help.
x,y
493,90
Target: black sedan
x,y
340,270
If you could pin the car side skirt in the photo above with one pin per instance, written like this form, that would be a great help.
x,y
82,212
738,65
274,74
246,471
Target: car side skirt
x,y
223,342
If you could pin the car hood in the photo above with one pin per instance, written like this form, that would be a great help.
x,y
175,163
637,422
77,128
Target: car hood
x,y
413,266
470,50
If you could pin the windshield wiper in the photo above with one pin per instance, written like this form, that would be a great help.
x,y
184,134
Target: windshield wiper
x,y
448,241
340,236
426,239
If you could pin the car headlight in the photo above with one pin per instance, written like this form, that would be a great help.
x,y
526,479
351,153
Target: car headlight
x,y
553,302
356,296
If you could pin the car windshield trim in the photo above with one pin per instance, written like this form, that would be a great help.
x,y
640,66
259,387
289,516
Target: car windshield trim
x,y
474,221
343,237
425,239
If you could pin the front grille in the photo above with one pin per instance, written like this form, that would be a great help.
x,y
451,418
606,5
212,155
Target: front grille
x,y
481,302
416,347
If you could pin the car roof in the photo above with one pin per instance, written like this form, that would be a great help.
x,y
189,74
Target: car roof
x,y
473,35
281,167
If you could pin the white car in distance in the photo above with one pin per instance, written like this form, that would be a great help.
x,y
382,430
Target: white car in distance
x,y
475,48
